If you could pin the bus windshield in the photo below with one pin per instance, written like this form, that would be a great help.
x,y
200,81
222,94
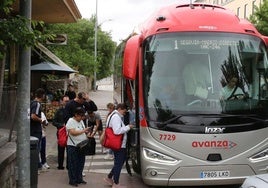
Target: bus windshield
x,y
193,73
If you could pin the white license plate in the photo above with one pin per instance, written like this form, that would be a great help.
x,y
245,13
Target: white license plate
x,y
215,174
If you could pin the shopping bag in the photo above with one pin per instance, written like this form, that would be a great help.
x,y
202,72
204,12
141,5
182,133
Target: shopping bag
x,y
87,147
62,136
110,140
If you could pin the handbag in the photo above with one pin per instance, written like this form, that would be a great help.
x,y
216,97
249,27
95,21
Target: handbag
x,y
110,140
87,147
62,137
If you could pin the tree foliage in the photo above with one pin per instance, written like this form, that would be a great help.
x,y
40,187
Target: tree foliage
x,y
16,30
5,7
260,17
79,51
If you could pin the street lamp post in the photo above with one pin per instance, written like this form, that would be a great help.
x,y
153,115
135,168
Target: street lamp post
x,y
95,48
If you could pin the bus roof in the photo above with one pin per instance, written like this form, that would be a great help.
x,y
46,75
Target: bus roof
x,y
185,18
195,17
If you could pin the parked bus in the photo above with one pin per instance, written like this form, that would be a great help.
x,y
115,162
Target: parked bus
x,y
197,77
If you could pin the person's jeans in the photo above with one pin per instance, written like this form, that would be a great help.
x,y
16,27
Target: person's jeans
x,y
110,152
76,162
119,160
61,151
43,150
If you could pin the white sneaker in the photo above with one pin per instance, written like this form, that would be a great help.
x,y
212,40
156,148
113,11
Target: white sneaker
x,y
42,169
83,174
46,166
109,157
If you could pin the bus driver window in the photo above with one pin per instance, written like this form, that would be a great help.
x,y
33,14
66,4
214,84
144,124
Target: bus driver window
x,y
232,90
196,79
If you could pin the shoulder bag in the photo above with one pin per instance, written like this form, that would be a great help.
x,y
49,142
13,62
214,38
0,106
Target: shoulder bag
x,y
110,140
87,146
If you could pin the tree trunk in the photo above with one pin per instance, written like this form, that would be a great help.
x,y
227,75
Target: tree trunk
x,y
2,72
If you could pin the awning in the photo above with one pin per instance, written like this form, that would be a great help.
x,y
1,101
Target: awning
x,y
52,11
50,68
52,56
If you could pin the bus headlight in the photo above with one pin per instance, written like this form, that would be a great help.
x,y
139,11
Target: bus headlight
x,y
157,157
263,155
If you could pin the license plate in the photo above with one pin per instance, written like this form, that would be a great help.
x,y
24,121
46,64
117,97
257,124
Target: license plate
x,y
215,174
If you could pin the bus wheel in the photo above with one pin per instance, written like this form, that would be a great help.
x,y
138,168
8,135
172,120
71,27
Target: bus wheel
x,y
135,160
136,167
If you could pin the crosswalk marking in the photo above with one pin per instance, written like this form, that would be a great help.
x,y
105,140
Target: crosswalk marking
x,y
97,164
102,163
98,156
106,171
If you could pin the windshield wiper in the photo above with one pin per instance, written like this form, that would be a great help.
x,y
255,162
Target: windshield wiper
x,y
254,118
169,120
179,116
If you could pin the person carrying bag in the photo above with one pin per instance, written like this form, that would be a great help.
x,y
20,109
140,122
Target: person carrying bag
x,y
119,128
76,134
110,140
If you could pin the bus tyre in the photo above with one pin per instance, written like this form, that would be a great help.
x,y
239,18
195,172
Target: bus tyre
x,y
135,166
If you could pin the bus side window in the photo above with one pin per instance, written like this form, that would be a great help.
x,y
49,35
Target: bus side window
x,y
264,87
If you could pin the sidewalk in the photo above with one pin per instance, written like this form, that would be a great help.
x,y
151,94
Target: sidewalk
x,y
59,179
55,178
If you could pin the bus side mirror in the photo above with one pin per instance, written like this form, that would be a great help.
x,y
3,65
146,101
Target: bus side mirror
x,y
131,57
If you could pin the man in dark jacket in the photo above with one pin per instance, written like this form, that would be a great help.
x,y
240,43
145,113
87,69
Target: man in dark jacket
x,y
58,122
81,100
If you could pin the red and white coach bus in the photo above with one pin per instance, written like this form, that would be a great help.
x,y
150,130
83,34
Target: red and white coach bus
x,y
197,76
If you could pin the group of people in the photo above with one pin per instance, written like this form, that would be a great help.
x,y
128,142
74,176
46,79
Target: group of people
x,y
81,121
72,115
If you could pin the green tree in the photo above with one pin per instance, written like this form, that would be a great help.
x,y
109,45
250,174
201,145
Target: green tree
x,y
14,29
79,51
260,17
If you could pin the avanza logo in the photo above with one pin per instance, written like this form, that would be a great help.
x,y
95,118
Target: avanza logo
x,y
220,144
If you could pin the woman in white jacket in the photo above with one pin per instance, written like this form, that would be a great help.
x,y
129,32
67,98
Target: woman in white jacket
x,y
115,120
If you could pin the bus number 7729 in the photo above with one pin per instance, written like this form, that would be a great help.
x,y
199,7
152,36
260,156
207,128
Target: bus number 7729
x,y
168,137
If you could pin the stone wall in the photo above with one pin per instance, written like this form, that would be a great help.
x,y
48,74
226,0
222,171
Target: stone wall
x,y
80,83
7,165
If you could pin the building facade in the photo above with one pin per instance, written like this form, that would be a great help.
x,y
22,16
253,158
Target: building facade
x,y
242,8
